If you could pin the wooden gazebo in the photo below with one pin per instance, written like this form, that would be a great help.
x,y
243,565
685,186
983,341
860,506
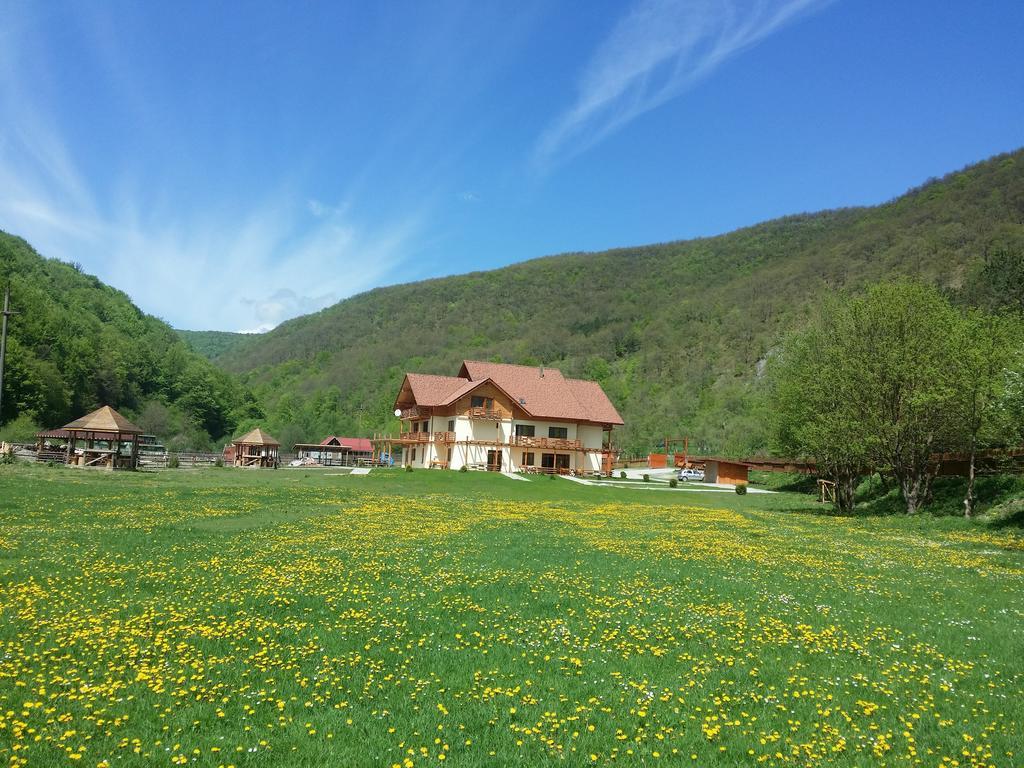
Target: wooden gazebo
x,y
256,449
103,439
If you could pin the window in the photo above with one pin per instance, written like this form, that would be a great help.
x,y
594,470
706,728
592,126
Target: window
x,y
477,402
547,460
527,459
451,425
562,460
525,430
425,426
561,433
449,455
415,426
413,457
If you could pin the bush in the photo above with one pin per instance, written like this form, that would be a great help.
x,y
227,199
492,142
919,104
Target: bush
x,y
673,483
463,468
7,458
647,478
172,461
408,467
741,490
622,475
219,461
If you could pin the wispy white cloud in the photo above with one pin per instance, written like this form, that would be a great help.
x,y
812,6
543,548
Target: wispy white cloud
x,y
243,269
655,52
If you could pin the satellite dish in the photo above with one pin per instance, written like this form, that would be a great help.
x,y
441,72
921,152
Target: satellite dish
x,y
398,412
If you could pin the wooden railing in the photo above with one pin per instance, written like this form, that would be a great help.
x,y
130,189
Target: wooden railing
x,y
551,443
412,412
480,412
424,437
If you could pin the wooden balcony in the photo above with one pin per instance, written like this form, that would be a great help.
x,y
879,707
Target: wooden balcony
x,y
481,412
546,443
413,412
414,438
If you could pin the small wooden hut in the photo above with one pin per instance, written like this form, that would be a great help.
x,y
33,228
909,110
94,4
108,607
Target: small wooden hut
x,y
103,439
256,449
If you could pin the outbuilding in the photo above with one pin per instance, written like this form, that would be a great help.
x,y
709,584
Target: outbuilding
x,y
256,449
104,439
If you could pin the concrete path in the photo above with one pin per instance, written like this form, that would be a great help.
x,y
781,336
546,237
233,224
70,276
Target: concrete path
x,y
514,476
661,484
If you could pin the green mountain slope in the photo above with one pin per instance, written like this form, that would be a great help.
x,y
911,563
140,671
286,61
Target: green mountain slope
x,y
213,344
76,344
677,333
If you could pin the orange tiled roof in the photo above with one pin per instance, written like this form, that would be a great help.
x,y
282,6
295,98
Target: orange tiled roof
x,y
543,393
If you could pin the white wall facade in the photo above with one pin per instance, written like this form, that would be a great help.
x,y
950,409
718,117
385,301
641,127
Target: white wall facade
x,y
457,454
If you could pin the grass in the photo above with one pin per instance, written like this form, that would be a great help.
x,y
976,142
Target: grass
x,y
224,617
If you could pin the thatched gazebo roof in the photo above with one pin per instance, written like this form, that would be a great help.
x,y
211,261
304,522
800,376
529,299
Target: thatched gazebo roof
x,y
256,437
104,419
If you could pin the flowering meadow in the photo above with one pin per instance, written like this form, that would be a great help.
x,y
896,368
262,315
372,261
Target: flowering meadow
x,y
232,618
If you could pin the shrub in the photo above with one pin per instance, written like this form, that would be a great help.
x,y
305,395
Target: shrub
x,y
7,458
408,467
463,468
622,475
673,483
647,478
741,490
172,461
219,461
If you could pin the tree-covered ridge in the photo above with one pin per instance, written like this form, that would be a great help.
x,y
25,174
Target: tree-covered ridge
x,y
213,344
676,333
77,343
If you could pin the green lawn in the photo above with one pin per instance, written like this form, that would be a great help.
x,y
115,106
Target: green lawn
x,y
227,617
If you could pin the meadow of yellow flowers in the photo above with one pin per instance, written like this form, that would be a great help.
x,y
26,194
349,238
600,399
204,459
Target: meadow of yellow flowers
x,y
230,618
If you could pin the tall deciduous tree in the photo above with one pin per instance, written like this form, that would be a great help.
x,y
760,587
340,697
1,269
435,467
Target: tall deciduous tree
x,y
988,353
871,386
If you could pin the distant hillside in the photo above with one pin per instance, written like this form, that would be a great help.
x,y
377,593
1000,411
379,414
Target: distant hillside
x,y
213,344
77,343
677,333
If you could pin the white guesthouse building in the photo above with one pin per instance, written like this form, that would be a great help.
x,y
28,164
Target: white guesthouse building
x,y
500,417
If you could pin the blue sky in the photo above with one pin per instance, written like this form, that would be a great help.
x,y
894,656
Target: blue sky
x,y
230,165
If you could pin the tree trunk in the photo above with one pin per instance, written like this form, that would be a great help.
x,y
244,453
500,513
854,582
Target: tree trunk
x,y
846,484
969,498
911,489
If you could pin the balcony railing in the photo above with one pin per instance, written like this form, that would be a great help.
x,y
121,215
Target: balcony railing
x,y
551,443
480,412
413,412
424,437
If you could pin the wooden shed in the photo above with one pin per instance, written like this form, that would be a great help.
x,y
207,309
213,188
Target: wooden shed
x,y
103,439
256,449
729,471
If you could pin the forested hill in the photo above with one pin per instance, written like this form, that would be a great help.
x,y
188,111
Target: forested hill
x,y
77,343
676,333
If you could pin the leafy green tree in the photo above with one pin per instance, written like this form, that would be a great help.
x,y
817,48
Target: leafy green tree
x,y
874,386
815,412
989,363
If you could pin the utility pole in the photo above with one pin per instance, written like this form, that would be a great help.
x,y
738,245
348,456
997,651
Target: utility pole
x,y
7,312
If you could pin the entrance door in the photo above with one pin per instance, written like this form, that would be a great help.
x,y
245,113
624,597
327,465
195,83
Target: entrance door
x,y
494,461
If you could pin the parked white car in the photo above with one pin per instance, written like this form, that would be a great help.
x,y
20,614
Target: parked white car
x,y
691,474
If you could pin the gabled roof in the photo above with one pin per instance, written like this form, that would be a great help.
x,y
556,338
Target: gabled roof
x,y
543,393
359,444
429,390
332,440
104,419
256,437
